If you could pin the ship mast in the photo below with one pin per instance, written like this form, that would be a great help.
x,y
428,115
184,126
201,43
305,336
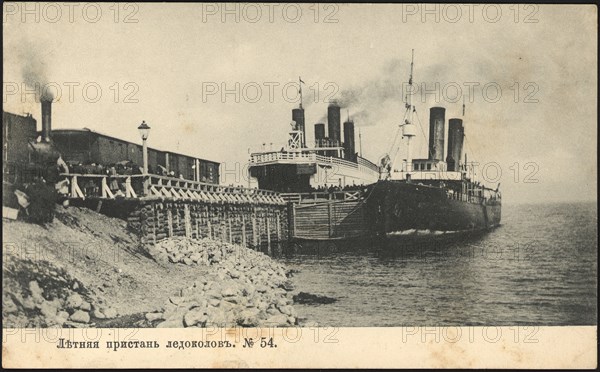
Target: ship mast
x,y
408,128
300,82
407,132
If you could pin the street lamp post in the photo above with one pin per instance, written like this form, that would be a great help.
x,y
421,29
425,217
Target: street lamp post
x,y
144,132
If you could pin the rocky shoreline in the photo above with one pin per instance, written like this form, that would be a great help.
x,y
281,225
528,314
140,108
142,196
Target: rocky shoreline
x,y
244,287
88,270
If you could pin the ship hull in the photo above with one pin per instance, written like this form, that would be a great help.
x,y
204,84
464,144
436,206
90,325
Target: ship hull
x,y
413,211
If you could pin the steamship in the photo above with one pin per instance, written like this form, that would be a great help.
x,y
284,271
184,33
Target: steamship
x,y
415,199
430,197
331,163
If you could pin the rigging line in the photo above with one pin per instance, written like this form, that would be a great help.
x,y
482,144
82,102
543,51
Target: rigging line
x,y
394,141
469,146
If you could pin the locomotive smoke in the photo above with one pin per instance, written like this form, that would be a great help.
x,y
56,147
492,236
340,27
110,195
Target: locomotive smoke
x,y
35,73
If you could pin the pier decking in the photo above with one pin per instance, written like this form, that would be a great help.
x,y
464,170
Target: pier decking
x,y
98,186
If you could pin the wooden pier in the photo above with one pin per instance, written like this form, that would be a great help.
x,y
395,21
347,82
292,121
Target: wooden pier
x,y
158,207
327,215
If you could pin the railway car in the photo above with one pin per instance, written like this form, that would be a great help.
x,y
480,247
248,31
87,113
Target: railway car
x,y
86,147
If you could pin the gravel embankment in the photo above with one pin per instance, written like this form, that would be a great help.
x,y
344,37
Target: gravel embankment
x,y
244,287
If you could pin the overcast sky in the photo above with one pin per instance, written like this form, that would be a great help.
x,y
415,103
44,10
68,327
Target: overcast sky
x,y
159,63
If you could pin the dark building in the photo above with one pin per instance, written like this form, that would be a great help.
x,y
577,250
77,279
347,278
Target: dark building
x,y
25,159
17,132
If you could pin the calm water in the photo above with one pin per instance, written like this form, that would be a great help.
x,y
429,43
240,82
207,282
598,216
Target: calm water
x,y
538,268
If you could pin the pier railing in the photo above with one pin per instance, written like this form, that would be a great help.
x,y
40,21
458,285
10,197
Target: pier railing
x,y
82,186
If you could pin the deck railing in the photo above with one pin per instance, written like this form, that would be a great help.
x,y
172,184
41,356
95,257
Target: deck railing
x,y
82,186
321,196
363,164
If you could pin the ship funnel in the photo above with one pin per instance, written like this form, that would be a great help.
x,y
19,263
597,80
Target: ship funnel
x,y
333,123
298,117
319,134
437,118
349,145
456,133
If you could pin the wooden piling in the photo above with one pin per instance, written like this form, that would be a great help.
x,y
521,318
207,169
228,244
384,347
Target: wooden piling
x,y
170,222
254,238
268,235
244,241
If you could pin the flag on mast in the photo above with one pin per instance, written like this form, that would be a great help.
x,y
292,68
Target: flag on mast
x,y
300,89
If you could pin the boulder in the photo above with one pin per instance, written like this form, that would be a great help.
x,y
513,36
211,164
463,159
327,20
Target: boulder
x,y
48,309
287,310
154,316
80,316
9,306
277,320
171,323
228,292
261,288
36,291
85,306
74,301
249,318
97,314
273,311
194,317
62,316
177,300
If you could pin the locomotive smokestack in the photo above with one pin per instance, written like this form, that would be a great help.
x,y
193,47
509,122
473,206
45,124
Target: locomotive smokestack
x,y
437,118
349,145
46,119
333,123
298,117
456,133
